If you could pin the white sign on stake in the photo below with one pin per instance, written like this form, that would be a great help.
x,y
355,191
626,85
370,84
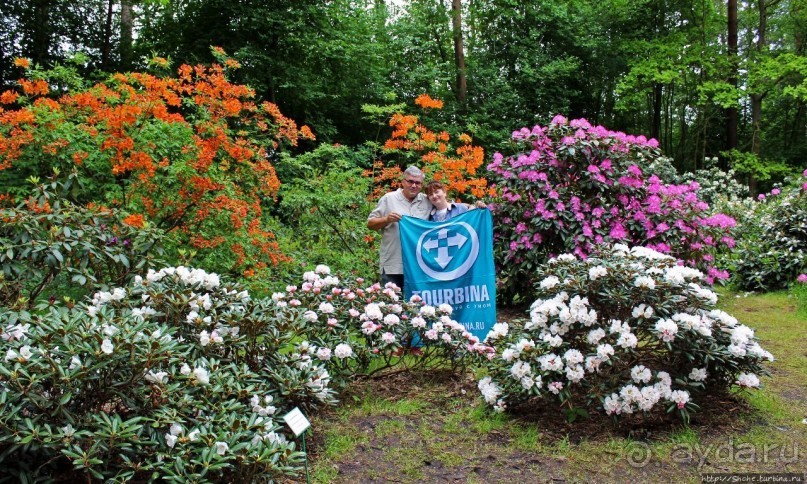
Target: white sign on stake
x,y
296,421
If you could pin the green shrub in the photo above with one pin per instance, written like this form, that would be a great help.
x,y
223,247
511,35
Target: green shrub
x,y
175,377
50,246
374,327
772,251
625,331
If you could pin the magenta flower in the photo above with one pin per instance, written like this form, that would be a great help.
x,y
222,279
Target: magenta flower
x,y
559,120
802,279
775,191
761,197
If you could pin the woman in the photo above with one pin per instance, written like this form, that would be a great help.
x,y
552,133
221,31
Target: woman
x,y
443,209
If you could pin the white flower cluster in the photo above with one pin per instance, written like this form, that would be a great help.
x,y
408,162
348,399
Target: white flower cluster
x,y
188,276
176,432
263,406
632,398
319,279
491,392
566,342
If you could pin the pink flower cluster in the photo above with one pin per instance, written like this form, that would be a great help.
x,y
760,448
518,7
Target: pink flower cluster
x,y
575,186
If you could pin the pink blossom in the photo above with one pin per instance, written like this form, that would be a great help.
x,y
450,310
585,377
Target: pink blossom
x,y
802,279
580,123
559,120
617,232
775,191
719,220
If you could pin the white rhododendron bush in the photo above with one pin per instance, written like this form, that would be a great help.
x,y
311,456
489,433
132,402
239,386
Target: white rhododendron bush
x,y
359,329
180,376
628,331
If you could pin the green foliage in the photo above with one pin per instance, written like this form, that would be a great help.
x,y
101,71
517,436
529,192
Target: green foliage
x,y
772,250
360,330
175,377
50,246
324,207
750,164
626,331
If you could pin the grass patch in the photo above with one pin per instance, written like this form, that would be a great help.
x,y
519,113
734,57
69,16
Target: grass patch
x,y
526,438
389,427
341,442
484,420
383,406
770,404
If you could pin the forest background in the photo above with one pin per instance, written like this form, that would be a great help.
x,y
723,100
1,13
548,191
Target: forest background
x,y
702,77
714,82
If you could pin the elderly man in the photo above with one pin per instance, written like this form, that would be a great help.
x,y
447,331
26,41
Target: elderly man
x,y
407,200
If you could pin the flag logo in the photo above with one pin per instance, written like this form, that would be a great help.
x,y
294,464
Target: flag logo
x,y
448,251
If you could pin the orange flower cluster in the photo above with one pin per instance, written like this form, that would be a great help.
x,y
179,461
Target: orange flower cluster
x,y
134,220
173,144
34,88
9,97
456,166
427,102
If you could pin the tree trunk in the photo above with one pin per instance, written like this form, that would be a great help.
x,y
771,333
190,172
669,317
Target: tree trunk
x,y
655,132
107,45
461,90
126,40
41,33
756,98
731,113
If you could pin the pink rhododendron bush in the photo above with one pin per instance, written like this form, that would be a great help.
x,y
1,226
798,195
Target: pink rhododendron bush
x,y
625,331
571,186
180,376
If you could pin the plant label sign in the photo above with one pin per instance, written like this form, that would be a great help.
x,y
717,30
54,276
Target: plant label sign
x,y
296,421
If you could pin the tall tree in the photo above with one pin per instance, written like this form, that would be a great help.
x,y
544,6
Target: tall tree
x,y
731,111
461,89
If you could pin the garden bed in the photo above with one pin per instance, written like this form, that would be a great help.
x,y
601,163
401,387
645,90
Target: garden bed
x,y
434,427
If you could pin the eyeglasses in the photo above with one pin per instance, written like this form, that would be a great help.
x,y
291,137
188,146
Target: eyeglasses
x,y
413,182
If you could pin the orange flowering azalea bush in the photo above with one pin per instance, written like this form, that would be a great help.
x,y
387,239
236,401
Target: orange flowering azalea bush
x,y
186,152
451,159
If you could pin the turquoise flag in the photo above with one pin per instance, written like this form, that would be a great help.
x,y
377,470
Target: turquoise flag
x,y
452,263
